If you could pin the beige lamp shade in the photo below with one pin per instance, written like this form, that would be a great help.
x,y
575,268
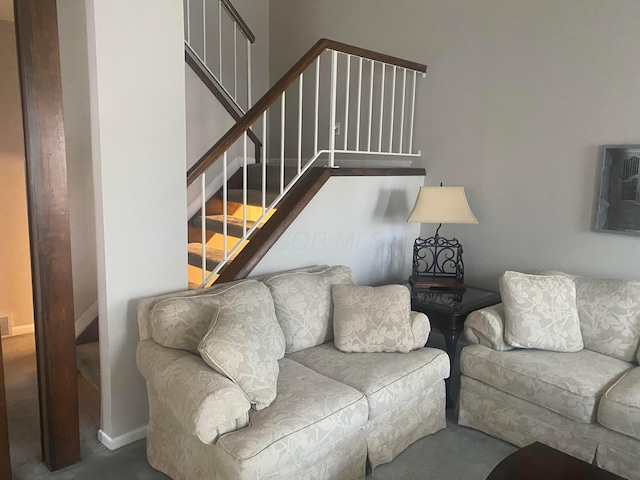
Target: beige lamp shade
x,y
441,205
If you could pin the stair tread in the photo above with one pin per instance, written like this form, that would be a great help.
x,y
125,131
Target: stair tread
x,y
215,224
230,220
212,254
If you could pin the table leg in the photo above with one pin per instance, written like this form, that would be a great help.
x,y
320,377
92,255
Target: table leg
x,y
451,346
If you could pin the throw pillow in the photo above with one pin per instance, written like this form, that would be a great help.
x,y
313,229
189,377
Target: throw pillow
x,y
540,312
372,319
243,345
181,322
303,304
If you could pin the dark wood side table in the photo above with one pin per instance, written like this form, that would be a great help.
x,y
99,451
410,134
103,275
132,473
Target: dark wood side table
x,y
447,310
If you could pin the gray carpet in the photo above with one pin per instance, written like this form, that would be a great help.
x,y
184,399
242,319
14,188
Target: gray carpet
x,y
456,453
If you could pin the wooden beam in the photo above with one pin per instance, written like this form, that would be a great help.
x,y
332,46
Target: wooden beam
x,y
41,90
5,460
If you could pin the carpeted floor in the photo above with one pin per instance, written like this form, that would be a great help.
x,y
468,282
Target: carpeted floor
x,y
456,453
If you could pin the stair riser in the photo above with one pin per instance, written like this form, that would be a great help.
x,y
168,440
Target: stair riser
x,y
196,261
254,177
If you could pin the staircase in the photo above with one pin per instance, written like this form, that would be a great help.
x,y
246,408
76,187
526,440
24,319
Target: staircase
x,y
337,100
235,228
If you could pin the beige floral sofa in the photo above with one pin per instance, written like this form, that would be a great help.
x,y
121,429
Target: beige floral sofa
x,y
585,401
304,410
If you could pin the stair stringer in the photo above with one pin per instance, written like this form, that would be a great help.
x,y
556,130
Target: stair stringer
x,y
292,206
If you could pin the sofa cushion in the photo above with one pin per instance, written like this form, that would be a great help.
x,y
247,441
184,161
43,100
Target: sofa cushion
x,y
620,407
303,304
540,312
372,319
181,321
310,412
570,384
245,342
385,378
609,312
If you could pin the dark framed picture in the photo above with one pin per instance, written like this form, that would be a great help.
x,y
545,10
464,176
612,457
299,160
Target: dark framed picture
x,y
618,202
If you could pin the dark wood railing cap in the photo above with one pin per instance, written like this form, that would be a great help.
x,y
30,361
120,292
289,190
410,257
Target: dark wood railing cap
x,y
280,86
233,13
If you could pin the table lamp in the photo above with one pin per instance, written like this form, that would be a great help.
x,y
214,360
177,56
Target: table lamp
x,y
437,261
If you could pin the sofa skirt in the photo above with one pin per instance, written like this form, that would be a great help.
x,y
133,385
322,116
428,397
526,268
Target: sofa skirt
x,y
521,423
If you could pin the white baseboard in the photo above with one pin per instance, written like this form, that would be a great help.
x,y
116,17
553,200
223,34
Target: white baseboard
x,y
122,440
22,330
86,318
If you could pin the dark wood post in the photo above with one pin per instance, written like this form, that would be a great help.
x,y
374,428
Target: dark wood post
x,y
46,171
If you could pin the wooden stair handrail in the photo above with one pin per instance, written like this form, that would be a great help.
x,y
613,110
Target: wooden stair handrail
x,y
233,13
279,87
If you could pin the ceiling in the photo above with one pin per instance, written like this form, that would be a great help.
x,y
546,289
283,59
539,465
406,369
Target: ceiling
x,y
6,10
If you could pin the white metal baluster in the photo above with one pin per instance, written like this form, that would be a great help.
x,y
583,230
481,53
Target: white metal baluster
x,y
244,184
315,134
404,91
248,74
370,104
359,105
384,69
189,22
393,108
235,60
346,102
332,120
203,218
220,38
204,31
413,112
264,163
300,85
282,118
225,196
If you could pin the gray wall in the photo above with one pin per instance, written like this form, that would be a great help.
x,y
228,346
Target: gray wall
x,y
517,99
72,31
139,153
372,237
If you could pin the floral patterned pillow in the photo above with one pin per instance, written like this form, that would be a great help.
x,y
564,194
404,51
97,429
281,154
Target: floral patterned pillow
x,y
372,319
540,312
245,342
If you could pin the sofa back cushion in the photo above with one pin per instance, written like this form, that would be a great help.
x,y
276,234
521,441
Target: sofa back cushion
x,y
304,306
181,322
372,319
609,312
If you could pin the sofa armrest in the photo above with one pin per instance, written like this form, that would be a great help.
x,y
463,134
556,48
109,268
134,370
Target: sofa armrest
x,y
202,401
486,327
420,327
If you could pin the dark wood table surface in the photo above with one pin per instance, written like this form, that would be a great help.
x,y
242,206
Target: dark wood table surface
x,y
447,310
540,462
